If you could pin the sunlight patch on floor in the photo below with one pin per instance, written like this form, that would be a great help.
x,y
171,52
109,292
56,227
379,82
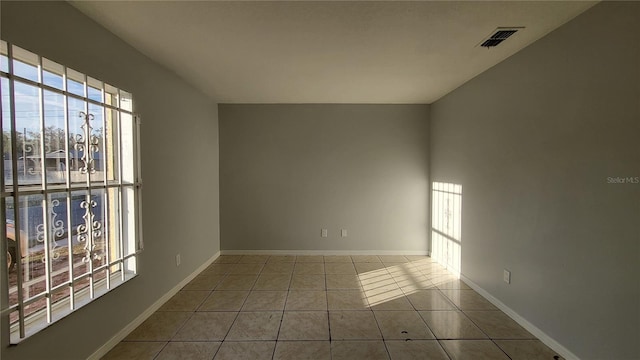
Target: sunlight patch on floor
x,y
393,282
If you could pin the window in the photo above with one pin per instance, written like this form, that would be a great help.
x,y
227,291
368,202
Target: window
x,y
70,190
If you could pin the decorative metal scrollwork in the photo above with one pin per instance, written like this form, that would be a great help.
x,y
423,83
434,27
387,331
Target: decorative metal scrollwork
x,y
27,147
89,225
87,143
57,230
31,146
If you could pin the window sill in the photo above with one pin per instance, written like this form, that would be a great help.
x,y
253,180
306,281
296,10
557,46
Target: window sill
x,y
38,321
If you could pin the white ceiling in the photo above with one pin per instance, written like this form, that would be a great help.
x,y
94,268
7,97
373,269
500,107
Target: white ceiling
x,y
327,52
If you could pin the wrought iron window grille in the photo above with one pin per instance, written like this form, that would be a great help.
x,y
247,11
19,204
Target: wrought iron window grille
x,y
70,191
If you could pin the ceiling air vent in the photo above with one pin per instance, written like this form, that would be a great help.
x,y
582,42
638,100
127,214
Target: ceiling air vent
x,y
498,36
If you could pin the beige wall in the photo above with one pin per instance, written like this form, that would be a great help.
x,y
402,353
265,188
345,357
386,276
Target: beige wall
x,y
179,164
287,171
533,142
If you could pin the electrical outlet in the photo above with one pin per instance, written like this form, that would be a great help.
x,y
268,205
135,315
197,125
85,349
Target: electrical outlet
x,y
344,232
324,233
178,260
506,276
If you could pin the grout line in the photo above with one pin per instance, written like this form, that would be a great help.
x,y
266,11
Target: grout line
x,y
381,334
278,335
326,295
234,321
445,349
163,347
498,346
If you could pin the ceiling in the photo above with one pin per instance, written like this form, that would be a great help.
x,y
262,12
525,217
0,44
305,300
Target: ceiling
x,y
327,52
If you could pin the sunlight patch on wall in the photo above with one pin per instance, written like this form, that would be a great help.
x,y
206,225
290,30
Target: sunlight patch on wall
x,y
446,225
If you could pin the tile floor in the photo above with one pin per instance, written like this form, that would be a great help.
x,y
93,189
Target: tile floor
x,y
328,307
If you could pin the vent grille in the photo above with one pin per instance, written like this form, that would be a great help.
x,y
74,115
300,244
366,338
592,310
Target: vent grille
x,y
503,34
500,35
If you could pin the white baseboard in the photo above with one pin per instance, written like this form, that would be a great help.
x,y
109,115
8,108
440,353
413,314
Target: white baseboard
x,y
102,350
324,252
534,330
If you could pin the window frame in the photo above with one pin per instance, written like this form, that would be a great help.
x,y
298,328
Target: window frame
x,y
129,210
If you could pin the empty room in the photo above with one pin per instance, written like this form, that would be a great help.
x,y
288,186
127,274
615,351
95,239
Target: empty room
x,y
320,180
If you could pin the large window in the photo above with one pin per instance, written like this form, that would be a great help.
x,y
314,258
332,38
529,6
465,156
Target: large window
x,y
70,190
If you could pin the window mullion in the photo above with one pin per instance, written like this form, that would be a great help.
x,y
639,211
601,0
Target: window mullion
x,y
4,280
120,176
45,196
137,168
16,197
105,193
72,292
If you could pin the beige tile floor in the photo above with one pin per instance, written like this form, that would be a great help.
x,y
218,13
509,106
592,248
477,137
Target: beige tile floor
x,y
328,307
